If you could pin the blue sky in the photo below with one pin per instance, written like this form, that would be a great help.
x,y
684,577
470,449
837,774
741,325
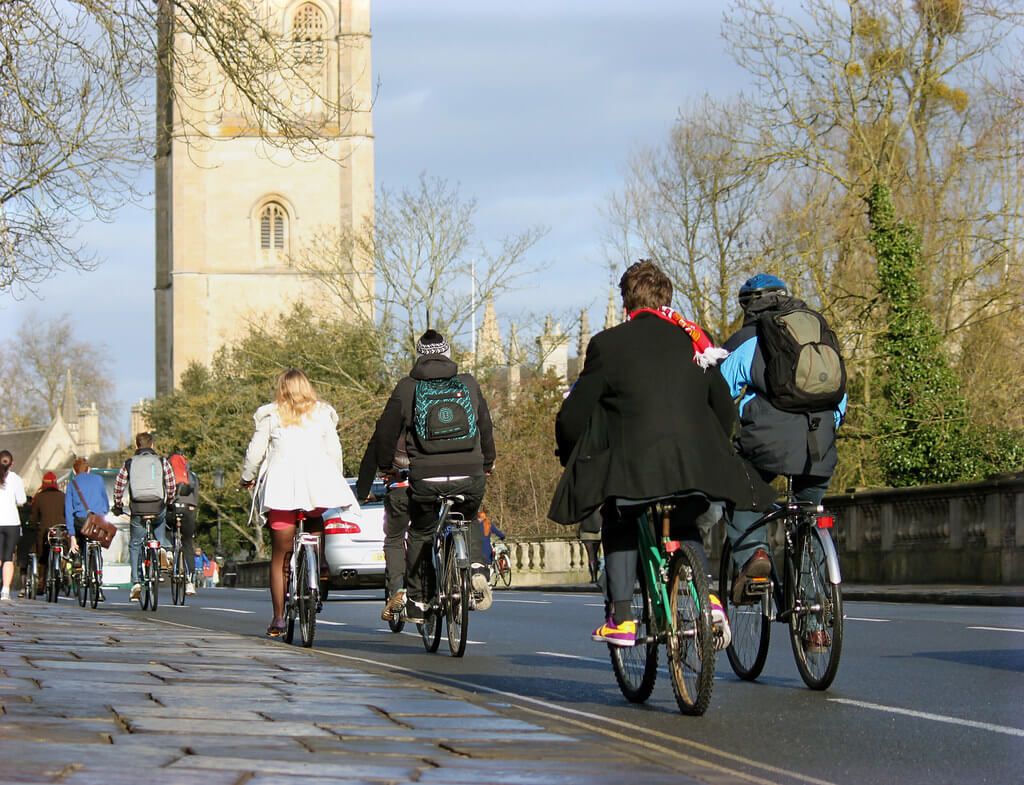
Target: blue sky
x,y
533,108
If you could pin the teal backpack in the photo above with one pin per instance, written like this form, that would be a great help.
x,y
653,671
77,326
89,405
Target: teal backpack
x,y
443,417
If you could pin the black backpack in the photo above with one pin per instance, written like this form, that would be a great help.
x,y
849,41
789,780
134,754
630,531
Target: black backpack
x,y
804,368
444,419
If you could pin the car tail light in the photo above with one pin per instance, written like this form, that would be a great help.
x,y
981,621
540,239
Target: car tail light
x,y
825,521
341,527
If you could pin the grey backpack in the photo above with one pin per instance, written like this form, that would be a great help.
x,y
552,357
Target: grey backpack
x,y
146,478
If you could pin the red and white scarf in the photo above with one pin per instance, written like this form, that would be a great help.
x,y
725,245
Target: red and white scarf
x,y
705,353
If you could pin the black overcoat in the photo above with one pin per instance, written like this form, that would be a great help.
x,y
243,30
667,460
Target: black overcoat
x,y
644,421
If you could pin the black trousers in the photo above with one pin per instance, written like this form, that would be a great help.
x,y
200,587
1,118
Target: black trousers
x,y
396,524
619,539
423,510
188,530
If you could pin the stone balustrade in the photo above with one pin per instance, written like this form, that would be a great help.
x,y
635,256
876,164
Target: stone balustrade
x,y
970,533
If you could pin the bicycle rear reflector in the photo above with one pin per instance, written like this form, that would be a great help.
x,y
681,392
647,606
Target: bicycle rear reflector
x,y
341,527
825,521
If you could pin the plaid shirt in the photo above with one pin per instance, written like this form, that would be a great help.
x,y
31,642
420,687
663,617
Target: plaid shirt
x,y
121,483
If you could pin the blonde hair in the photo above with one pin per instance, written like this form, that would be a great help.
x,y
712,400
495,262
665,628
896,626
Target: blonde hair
x,y
295,396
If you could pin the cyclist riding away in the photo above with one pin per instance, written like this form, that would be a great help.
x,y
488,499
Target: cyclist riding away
x,y
91,489
649,418
149,480
186,499
47,511
297,434
488,528
787,424
450,444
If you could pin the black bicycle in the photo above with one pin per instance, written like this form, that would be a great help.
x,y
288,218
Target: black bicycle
x,y
31,579
806,596
89,574
149,568
180,572
57,563
453,595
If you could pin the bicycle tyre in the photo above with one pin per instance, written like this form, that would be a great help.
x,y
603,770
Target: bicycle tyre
x,y
636,667
691,651
95,579
456,605
177,577
750,624
430,629
68,583
82,580
397,622
31,577
504,569
810,584
52,577
306,600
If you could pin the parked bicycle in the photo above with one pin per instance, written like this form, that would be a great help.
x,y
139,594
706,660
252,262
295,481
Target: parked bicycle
x,y
501,566
671,606
807,596
57,563
302,583
453,596
89,574
149,568
180,572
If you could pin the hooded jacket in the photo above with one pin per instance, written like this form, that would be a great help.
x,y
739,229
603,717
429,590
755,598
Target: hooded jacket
x,y
397,415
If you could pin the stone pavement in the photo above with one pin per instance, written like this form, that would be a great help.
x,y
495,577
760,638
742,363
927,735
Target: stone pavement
x,y
96,697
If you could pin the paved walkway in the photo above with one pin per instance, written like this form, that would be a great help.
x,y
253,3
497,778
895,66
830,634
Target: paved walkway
x,y
100,698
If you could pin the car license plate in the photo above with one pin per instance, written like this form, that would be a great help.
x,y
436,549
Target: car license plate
x,y
379,556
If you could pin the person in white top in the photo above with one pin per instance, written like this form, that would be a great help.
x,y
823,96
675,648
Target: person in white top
x,y
297,453
12,496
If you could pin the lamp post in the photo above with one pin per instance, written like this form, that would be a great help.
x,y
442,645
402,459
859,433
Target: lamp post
x,y
218,483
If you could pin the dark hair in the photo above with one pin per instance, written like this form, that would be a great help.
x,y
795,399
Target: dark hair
x,y
144,439
644,285
431,336
5,466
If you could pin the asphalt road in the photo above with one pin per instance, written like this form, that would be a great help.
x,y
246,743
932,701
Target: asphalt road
x,y
925,694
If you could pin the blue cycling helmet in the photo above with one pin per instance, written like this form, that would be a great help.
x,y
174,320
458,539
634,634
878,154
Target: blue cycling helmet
x,y
759,285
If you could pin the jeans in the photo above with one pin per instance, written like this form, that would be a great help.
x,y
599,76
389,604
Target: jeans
x,y
619,540
423,510
138,537
806,488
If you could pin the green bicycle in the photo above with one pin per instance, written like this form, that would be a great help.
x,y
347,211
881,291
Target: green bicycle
x,y
671,607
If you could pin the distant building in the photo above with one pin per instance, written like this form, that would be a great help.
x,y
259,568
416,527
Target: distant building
x,y
73,431
232,210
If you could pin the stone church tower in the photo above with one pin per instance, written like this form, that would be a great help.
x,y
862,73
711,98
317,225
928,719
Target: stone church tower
x,y
232,210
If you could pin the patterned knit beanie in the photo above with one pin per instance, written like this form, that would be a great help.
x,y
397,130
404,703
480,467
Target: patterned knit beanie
x,y
433,343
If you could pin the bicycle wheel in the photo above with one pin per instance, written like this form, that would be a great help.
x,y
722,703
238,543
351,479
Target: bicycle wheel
x,y
503,567
95,573
397,622
816,625
290,609
430,629
691,650
82,579
456,602
750,623
31,577
179,576
307,599
52,577
68,580
636,667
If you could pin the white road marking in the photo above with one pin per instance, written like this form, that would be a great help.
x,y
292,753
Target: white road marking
x,y
226,610
332,623
525,602
602,661
996,629
861,618
924,715
593,604
243,589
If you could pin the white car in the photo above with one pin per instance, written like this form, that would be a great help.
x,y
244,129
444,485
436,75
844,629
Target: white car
x,y
354,550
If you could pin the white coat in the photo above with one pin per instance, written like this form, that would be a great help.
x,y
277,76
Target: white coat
x,y
303,462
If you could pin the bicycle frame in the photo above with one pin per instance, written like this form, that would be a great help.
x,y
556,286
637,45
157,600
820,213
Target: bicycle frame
x,y
310,542
449,525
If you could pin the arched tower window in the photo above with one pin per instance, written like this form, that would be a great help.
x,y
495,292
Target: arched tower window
x,y
308,28
273,230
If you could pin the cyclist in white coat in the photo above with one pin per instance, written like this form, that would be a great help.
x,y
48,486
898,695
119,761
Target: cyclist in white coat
x,y
296,453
